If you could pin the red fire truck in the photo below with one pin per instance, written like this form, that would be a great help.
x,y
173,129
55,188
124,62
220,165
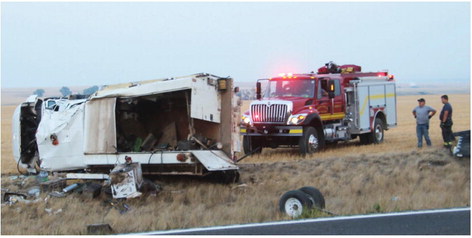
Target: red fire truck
x,y
338,103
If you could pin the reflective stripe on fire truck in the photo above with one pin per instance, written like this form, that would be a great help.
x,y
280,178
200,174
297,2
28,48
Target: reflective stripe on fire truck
x,y
373,97
296,131
334,116
243,130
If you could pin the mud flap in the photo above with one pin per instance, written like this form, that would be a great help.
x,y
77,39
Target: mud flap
x,y
215,160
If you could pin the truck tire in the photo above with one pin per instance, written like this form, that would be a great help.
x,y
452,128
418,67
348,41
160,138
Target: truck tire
x,y
377,134
310,142
315,196
294,202
250,144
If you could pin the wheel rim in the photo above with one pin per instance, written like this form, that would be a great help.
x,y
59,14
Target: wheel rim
x,y
312,143
378,132
293,207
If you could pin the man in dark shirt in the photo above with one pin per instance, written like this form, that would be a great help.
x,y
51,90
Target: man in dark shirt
x,y
446,122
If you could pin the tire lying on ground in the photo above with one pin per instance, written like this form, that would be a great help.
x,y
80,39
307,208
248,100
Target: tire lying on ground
x,y
294,202
315,196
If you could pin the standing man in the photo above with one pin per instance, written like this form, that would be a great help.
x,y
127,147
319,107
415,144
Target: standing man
x,y
446,122
422,114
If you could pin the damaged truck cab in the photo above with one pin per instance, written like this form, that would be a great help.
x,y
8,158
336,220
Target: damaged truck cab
x,y
186,125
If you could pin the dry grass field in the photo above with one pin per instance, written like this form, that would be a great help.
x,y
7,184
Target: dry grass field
x,y
354,179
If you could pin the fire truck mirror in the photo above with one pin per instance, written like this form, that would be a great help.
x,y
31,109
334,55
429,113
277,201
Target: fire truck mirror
x,y
258,90
331,88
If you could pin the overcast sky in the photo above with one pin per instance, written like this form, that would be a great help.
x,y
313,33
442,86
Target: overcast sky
x,y
70,44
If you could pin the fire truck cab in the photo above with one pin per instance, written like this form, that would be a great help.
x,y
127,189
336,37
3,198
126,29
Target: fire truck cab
x,y
338,103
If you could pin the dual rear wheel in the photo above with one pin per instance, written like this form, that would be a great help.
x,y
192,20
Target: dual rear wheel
x,y
295,202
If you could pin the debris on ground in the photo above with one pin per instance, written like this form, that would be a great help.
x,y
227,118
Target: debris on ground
x,y
6,195
91,190
99,229
422,164
53,185
71,187
43,176
149,187
51,211
34,191
126,180
13,198
57,194
243,185
119,205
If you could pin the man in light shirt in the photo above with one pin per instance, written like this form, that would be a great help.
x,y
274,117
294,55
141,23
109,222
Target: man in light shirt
x,y
422,114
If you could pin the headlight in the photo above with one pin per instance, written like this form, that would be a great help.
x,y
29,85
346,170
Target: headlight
x,y
296,119
246,120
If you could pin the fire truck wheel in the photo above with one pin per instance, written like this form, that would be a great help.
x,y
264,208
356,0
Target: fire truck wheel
x,y
294,202
309,143
315,196
378,132
250,144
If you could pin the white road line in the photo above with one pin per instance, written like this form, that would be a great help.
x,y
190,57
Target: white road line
x,y
340,218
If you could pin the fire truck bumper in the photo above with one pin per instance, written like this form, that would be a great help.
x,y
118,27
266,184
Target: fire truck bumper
x,y
272,131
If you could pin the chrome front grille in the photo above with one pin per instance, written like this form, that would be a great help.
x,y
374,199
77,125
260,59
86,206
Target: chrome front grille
x,y
275,113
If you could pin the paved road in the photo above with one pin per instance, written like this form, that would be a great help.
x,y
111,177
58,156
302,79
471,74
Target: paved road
x,y
431,222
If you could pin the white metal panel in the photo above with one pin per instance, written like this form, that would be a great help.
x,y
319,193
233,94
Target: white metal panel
x,y
148,88
67,125
215,160
206,101
391,109
16,134
100,128
87,176
364,107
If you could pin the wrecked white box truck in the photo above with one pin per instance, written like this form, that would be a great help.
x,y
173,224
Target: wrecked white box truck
x,y
179,126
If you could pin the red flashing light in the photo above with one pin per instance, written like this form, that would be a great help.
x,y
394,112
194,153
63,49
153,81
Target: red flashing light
x,y
323,70
390,77
382,74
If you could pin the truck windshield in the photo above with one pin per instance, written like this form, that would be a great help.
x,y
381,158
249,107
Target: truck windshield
x,y
288,88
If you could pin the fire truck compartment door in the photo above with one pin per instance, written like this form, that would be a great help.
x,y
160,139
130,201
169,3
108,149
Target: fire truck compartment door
x,y
376,95
391,109
364,120
100,130
215,160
